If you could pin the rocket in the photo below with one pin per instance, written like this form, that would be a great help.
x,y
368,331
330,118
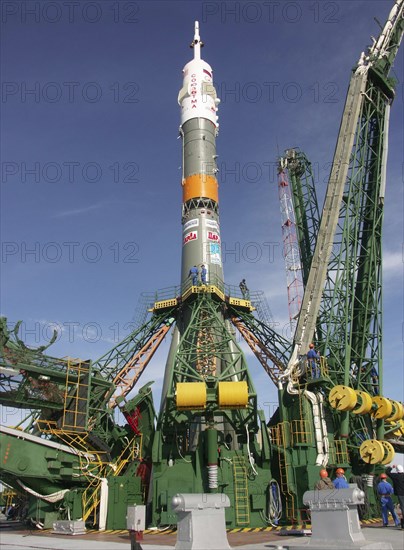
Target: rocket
x,y
208,401
200,203
201,243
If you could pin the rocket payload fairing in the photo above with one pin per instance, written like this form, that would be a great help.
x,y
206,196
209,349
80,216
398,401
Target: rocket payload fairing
x,y
199,128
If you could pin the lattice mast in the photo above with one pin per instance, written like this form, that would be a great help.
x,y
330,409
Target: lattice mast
x,y
291,253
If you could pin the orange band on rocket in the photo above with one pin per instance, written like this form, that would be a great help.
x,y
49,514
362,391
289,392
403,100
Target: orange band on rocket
x,y
200,185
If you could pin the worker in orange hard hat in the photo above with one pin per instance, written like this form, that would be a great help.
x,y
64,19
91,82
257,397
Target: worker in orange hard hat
x,y
340,481
325,482
385,490
313,358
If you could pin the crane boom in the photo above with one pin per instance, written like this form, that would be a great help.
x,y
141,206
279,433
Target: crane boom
x,y
318,272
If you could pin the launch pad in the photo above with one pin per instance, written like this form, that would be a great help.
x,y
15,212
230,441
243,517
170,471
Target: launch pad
x,y
247,540
71,459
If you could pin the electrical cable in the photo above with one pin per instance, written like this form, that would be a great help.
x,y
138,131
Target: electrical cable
x,y
54,497
179,452
275,503
274,512
250,458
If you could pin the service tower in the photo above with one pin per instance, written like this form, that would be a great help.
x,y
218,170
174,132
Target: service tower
x,y
206,436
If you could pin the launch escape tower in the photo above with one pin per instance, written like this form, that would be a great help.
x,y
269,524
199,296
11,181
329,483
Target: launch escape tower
x,y
75,459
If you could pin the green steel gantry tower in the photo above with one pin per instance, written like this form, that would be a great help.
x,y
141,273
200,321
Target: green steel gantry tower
x,y
77,458
341,310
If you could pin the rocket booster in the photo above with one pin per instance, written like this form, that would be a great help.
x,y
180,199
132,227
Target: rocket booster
x,y
200,204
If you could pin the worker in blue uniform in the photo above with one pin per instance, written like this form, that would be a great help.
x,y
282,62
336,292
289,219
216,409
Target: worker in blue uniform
x,y
193,272
375,381
204,273
340,481
385,490
313,358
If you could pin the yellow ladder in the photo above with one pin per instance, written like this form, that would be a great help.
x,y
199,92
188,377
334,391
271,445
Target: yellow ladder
x,y
284,466
241,491
76,395
9,496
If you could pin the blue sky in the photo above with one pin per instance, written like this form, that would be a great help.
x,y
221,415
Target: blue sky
x,y
91,161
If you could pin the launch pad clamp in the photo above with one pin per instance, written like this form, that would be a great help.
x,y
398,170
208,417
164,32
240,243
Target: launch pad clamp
x,y
201,521
335,521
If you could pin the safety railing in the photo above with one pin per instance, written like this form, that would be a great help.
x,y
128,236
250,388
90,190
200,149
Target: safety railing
x,y
213,284
275,434
75,410
338,452
301,432
313,369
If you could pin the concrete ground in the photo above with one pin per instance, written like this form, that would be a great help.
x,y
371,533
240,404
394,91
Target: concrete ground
x,y
268,540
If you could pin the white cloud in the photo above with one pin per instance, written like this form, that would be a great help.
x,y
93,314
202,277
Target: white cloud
x,y
393,264
78,211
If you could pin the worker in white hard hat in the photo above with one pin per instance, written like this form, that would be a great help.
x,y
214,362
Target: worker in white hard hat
x,y
397,477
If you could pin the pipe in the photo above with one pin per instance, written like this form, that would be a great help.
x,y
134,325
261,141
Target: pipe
x,y
384,155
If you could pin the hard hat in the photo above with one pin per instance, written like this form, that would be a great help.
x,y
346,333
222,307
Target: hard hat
x,y
339,471
383,476
323,473
399,468
311,346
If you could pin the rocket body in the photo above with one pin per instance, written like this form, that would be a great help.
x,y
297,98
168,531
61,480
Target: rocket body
x,y
201,242
200,204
